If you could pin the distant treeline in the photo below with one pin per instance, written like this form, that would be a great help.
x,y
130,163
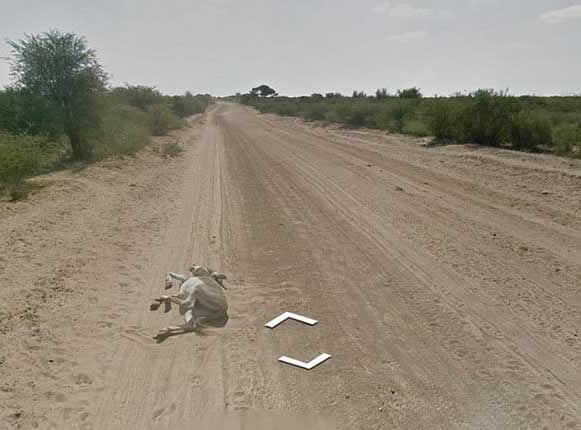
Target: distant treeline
x,y
484,117
61,107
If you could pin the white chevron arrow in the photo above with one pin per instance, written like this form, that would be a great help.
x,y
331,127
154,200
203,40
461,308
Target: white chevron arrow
x,y
286,315
313,363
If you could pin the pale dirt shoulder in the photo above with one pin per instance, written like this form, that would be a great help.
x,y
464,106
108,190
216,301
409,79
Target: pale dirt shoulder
x,y
79,228
544,179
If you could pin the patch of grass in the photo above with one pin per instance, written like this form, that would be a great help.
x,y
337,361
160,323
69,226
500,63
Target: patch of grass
x,y
124,131
567,139
19,159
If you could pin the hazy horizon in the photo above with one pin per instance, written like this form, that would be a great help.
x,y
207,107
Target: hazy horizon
x,y
222,46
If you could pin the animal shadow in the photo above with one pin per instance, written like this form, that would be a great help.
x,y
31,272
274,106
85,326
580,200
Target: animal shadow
x,y
219,322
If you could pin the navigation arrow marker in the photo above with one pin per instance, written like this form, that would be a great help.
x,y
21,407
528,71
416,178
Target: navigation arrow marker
x,y
286,315
313,363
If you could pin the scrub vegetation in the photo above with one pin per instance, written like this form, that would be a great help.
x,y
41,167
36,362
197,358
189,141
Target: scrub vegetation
x,y
60,109
483,117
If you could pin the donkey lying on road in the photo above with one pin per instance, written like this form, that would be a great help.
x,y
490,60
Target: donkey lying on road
x,y
201,298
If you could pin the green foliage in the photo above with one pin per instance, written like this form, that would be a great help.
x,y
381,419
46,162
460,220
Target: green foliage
x,y
188,104
26,113
486,121
442,119
530,131
382,116
415,127
357,115
60,68
162,119
315,112
567,139
401,110
19,158
60,90
263,91
410,93
124,130
484,117
381,94
138,96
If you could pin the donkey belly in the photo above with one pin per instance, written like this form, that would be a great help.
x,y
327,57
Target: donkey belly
x,y
211,298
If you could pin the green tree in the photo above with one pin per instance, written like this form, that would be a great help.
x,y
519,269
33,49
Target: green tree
x,y
410,93
263,91
61,69
381,94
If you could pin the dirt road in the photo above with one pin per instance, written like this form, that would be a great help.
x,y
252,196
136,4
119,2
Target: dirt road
x,y
446,282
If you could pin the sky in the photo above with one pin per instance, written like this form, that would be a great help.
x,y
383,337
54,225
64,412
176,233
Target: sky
x,y
304,46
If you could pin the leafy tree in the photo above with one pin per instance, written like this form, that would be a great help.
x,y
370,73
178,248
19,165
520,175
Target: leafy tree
x,y
381,94
61,69
410,93
263,91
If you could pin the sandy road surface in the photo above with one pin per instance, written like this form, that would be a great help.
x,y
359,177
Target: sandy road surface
x,y
447,283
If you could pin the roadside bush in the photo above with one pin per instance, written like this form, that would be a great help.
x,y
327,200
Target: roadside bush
x,y
162,119
124,130
529,131
442,119
381,117
19,158
25,113
284,109
188,104
567,139
486,121
483,117
401,110
315,112
357,115
138,96
415,127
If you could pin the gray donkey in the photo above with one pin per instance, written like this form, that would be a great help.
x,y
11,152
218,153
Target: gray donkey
x,y
200,299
